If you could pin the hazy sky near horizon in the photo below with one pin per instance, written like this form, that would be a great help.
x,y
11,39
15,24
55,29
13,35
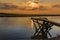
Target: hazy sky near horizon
x,y
22,1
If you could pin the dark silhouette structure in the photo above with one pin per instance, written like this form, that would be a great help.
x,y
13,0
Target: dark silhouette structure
x,y
42,28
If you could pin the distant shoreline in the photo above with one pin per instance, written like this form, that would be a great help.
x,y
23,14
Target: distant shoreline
x,y
24,15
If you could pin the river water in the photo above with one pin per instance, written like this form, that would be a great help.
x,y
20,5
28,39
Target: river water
x,y
22,27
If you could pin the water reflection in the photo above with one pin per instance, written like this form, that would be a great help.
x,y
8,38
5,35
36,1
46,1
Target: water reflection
x,y
22,27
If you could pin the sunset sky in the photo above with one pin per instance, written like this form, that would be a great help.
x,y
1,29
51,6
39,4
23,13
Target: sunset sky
x,y
49,6
22,1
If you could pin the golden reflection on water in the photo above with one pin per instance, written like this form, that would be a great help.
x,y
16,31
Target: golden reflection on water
x,y
24,21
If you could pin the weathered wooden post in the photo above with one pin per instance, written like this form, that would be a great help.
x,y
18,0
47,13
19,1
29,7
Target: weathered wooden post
x,y
42,29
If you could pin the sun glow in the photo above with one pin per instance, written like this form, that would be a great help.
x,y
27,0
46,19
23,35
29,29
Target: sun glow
x,y
31,4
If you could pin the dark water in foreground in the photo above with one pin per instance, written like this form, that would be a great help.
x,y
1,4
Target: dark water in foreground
x,y
22,27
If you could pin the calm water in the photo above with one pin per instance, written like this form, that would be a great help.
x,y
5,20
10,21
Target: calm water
x,y
22,27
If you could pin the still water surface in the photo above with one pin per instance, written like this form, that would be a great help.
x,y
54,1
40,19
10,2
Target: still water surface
x,y
22,27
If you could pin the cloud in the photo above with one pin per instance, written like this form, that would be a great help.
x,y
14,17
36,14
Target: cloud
x,y
42,8
7,6
56,6
11,6
24,7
